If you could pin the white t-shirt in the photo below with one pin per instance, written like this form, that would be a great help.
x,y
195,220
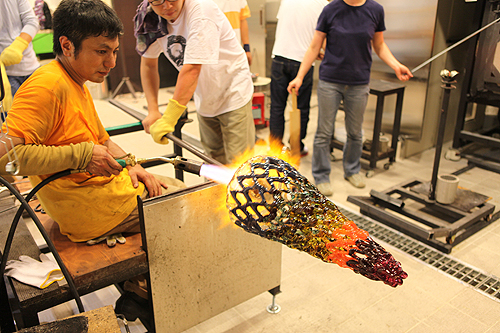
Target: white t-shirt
x,y
202,35
17,16
235,11
297,21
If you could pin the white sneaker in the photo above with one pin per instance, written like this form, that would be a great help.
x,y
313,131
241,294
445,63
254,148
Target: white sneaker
x,y
325,189
356,180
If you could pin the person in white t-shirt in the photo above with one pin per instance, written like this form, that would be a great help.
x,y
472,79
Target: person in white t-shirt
x,y
199,41
237,12
18,26
295,30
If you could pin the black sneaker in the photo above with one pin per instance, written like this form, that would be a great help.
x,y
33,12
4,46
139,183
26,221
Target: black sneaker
x,y
132,306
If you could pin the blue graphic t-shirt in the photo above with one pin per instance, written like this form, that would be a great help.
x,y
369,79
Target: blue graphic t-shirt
x,y
349,32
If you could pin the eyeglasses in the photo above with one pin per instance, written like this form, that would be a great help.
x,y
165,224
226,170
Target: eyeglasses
x,y
160,2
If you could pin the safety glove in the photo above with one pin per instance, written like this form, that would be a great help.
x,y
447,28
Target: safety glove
x,y
13,54
7,100
110,240
166,124
33,272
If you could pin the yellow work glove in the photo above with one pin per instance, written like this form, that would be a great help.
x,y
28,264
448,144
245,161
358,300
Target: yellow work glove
x,y
13,54
166,124
7,100
42,160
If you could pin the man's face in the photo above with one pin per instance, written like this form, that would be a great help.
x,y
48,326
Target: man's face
x,y
169,10
97,56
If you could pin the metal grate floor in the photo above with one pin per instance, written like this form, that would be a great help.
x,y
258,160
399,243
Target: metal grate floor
x,y
488,285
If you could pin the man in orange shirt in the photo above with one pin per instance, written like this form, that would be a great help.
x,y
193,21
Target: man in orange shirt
x,y
54,126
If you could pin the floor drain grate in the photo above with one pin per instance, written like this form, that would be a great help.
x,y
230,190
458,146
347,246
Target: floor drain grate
x,y
488,285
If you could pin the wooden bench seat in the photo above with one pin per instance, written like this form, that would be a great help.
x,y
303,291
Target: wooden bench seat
x,y
91,267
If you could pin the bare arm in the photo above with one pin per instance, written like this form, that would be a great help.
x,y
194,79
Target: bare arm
x,y
114,149
382,50
150,80
184,90
311,54
245,39
26,37
186,83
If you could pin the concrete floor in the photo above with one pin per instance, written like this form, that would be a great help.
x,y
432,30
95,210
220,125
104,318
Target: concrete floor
x,y
319,297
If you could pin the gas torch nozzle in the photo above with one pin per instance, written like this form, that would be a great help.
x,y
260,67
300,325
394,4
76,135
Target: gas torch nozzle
x,y
187,165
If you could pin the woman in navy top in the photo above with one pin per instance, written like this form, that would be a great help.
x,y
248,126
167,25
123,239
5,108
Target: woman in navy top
x,y
351,28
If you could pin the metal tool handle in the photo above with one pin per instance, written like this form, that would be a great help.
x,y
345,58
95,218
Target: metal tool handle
x,y
192,149
454,45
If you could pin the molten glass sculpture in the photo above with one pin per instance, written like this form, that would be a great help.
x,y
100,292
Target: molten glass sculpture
x,y
270,198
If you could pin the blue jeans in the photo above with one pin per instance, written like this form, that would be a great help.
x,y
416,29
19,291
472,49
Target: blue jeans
x,y
16,81
283,71
355,98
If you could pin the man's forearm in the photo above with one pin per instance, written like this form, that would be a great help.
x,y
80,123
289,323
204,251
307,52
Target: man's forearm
x,y
26,37
245,39
150,80
186,83
114,149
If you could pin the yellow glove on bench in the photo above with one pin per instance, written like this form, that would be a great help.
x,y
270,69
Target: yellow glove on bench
x,y
13,54
42,160
166,124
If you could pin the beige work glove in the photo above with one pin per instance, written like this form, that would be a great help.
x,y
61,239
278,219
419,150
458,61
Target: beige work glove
x,y
110,240
13,54
33,272
41,160
166,124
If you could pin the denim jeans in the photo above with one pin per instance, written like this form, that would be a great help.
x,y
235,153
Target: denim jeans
x,y
283,71
16,81
355,98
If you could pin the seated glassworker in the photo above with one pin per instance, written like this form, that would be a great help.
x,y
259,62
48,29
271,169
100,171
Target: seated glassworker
x,y
54,126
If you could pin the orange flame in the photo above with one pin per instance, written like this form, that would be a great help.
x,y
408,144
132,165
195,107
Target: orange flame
x,y
274,148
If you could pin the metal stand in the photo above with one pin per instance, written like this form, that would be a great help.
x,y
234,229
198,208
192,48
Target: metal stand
x,y
273,307
125,80
440,226
381,89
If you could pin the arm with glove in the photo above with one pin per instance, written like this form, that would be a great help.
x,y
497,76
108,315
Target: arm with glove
x,y
184,90
41,160
13,54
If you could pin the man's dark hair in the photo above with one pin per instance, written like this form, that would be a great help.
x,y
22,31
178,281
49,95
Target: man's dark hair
x,y
80,19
